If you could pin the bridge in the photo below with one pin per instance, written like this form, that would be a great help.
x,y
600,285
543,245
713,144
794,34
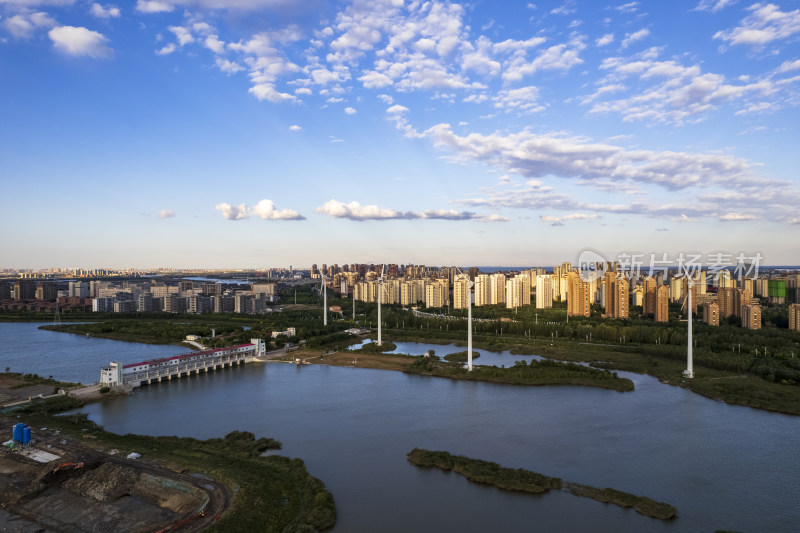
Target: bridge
x,y
186,369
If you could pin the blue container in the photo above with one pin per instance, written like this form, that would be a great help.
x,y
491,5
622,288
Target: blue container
x,y
26,435
18,431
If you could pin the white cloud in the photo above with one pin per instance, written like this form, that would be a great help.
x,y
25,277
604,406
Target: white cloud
x,y
304,91
267,91
104,12
167,49
213,43
356,211
788,66
736,217
227,66
166,213
713,5
295,127
183,35
558,57
534,156
605,40
232,212
397,108
521,99
79,41
153,6
631,38
559,221
265,209
22,26
350,111
627,8
765,23
677,93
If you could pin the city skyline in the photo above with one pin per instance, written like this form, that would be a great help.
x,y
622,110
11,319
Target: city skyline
x,y
198,133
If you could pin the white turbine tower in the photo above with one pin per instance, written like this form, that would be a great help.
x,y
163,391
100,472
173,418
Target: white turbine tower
x,y
380,297
469,318
324,302
689,372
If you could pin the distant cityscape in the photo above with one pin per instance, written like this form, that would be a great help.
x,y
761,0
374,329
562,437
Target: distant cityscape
x,y
715,297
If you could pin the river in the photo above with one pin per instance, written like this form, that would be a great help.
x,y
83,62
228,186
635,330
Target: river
x,y
723,467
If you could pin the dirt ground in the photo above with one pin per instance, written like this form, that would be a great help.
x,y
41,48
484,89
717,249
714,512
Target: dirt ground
x,y
98,492
357,360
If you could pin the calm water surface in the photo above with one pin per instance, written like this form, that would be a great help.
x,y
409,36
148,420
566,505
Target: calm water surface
x,y
723,467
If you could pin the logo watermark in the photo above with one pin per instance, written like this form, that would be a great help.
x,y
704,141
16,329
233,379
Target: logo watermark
x,y
593,265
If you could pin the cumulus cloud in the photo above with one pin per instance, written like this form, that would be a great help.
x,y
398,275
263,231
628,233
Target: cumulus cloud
x,y
79,41
671,92
102,12
350,111
23,25
764,24
166,213
295,127
267,91
167,49
631,38
533,155
355,211
605,40
265,209
153,6
233,212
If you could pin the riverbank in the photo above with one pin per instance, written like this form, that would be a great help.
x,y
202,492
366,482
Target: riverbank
x,y
269,493
520,480
734,388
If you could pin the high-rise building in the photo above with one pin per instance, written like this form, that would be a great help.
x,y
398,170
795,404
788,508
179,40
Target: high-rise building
x,y
649,297
46,290
711,313
436,293
726,299
751,316
460,293
24,290
616,296
661,304
544,291
578,302
482,290
497,288
794,317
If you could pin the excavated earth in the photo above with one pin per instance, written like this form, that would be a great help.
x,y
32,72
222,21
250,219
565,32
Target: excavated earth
x,y
97,492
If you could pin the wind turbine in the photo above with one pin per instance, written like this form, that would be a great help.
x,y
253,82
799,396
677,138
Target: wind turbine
x,y
689,372
469,318
324,302
380,294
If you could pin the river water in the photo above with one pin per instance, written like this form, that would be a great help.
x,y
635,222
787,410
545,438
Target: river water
x,y
723,467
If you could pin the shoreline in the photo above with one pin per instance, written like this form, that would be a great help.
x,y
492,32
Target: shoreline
x,y
732,388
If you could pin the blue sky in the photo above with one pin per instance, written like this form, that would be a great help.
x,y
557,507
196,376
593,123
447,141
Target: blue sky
x,y
247,133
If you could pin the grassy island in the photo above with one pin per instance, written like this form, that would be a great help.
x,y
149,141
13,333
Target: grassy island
x,y
536,373
269,493
520,480
461,357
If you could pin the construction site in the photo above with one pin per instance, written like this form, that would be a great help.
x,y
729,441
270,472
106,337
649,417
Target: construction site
x,y
51,483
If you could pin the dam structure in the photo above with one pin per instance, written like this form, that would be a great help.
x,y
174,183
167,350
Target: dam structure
x,y
175,367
